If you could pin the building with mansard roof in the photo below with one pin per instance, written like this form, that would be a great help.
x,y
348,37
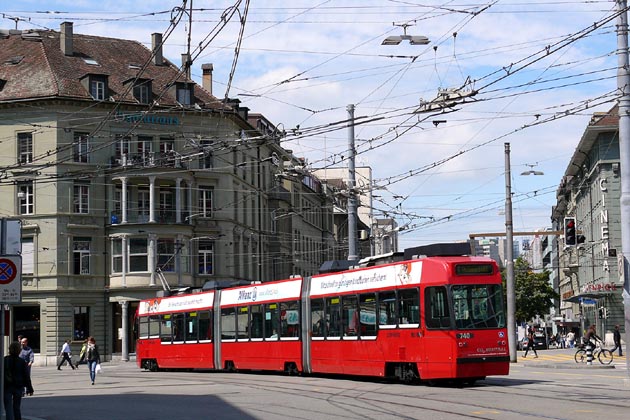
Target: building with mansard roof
x,y
129,179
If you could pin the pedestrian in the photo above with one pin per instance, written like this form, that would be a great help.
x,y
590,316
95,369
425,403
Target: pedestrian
x,y
26,354
617,340
93,357
65,354
83,353
16,379
530,343
571,339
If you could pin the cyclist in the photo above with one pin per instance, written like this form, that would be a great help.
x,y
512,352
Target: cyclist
x,y
592,338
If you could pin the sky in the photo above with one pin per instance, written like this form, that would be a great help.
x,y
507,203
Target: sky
x,y
528,73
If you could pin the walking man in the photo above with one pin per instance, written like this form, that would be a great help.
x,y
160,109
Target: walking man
x,y
530,343
617,340
65,355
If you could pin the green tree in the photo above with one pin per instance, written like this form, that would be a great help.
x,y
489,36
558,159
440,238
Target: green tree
x,y
533,292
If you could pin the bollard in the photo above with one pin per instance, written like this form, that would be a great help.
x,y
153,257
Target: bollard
x,y
589,354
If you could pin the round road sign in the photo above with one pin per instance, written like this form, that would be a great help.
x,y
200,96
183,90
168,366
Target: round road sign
x,y
8,271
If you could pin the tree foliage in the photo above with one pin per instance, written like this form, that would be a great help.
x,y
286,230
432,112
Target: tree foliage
x,y
533,292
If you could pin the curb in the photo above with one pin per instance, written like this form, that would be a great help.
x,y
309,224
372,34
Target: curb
x,y
565,366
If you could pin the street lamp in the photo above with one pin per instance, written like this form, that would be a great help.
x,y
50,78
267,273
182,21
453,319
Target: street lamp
x,y
413,39
532,171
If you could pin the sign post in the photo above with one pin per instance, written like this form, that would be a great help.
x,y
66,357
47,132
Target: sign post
x,y
10,281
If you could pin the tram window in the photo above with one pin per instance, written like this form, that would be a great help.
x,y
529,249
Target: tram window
x,y
367,314
478,306
256,321
205,325
178,327
192,327
242,322
437,314
166,329
154,326
350,315
228,323
290,319
143,327
409,306
318,323
387,308
333,317
272,317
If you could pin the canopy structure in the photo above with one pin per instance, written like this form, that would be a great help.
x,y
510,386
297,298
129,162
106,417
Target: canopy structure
x,y
586,296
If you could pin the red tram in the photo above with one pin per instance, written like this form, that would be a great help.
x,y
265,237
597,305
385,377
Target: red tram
x,y
428,318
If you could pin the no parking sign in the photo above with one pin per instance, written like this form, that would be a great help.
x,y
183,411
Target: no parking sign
x,y
10,279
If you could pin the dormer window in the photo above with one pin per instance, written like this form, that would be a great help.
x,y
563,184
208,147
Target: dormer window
x,y
96,84
97,89
185,93
142,91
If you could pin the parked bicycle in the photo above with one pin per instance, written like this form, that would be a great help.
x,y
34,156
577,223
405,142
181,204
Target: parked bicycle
x,y
604,356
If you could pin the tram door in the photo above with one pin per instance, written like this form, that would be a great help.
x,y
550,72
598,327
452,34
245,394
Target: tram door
x,y
438,357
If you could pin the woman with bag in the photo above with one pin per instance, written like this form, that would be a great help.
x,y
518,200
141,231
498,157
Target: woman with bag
x,y
93,358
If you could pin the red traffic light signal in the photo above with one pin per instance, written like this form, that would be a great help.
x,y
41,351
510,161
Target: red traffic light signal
x,y
570,237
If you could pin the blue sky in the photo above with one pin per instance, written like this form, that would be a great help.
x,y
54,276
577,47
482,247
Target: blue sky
x,y
534,64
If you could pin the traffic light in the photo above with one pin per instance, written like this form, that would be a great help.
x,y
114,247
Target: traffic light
x,y
603,313
570,238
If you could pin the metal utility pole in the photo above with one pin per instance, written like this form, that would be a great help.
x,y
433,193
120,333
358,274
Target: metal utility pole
x,y
352,200
509,256
623,84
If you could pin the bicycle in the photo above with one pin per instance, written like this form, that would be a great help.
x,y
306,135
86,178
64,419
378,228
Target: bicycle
x,y
604,356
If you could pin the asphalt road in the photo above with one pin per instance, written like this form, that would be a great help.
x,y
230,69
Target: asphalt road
x,y
550,387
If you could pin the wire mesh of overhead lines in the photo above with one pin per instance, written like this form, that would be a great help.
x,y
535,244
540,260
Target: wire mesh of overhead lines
x,y
430,118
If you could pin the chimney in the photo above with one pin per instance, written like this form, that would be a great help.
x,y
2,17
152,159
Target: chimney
x,y
66,38
156,45
206,80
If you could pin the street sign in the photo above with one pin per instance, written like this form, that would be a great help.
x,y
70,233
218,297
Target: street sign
x,y
10,279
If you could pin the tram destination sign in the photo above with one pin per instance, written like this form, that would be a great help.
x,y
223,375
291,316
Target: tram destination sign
x,y
10,279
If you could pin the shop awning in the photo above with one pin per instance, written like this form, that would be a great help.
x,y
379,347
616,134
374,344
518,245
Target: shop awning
x,y
582,297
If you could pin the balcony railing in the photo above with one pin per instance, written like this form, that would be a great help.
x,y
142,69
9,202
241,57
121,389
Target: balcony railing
x,y
169,159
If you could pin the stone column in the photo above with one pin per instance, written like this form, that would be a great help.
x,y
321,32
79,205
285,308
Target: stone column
x,y
123,200
178,200
151,199
152,257
125,259
125,330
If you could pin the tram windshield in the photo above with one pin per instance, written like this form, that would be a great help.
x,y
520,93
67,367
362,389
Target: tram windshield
x,y
478,306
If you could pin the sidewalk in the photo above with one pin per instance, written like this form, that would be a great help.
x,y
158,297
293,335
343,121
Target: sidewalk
x,y
564,359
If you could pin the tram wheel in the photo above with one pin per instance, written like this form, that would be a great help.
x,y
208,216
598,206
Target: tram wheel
x,y
153,366
409,374
290,368
229,366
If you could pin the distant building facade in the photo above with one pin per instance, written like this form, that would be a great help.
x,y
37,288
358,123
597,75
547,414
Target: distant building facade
x,y
129,178
589,281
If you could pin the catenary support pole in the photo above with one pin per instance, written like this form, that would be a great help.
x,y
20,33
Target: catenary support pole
x,y
509,258
3,250
352,200
623,84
